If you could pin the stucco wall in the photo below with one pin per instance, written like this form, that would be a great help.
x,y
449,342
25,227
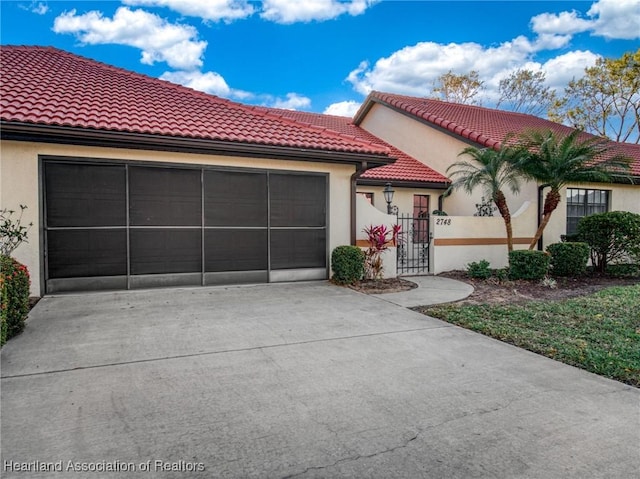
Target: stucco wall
x,y
368,215
402,198
19,184
460,240
437,149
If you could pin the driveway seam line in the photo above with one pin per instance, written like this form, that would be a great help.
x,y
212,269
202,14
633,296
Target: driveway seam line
x,y
210,353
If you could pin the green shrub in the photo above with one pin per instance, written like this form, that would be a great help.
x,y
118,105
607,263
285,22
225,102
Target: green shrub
x,y
14,297
570,238
614,237
527,264
626,270
568,259
479,270
501,274
347,263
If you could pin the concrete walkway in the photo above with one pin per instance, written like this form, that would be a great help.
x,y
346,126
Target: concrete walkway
x,y
431,290
303,380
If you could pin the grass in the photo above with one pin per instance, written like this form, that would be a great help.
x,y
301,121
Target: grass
x,y
598,332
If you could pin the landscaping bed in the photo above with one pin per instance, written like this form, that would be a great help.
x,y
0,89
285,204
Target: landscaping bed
x,y
378,286
494,291
592,322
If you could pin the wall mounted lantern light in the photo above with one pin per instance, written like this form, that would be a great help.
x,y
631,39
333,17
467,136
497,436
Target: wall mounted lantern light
x,y
388,193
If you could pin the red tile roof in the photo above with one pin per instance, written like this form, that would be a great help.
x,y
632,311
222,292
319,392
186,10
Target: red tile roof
x,y
484,126
405,169
632,151
47,86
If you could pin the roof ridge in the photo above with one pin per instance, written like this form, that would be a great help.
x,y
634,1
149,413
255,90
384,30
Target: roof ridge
x,y
113,68
308,134
210,97
364,135
459,105
272,113
437,120
311,113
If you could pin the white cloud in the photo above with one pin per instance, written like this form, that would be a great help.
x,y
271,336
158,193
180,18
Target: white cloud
x,y
616,18
564,68
212,10
551,41
413,70
288,11
208,82
159,40
293,101
39,8
343,108
564,23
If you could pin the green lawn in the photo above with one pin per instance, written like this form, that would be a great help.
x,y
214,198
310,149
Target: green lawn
x,y
599,332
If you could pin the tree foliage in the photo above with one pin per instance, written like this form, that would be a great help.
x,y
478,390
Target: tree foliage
x,y
525,91
606,101
458,88
554,161
493,171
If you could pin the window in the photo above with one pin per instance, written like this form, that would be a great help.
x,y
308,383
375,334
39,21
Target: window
x,y
583,202
420,218
420,206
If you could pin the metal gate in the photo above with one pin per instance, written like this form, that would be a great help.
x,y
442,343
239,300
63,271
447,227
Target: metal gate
x,y
413,244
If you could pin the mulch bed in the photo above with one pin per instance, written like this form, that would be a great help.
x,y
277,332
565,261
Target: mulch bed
x,y
378,286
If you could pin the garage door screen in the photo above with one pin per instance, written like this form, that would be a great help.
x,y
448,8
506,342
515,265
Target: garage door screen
x,y
122,226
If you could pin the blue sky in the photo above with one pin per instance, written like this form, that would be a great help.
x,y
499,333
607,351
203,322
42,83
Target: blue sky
x,y
326,55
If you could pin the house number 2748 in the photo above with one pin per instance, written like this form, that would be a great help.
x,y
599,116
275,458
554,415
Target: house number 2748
x,y
443,221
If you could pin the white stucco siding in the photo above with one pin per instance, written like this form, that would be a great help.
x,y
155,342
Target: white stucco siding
x,y
20,184
437,149
621,198
402,198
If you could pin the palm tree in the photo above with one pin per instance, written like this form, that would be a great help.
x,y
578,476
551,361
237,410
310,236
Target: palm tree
x,y
555,161
492,170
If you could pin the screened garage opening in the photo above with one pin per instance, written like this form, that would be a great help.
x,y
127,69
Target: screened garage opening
x,y
116,225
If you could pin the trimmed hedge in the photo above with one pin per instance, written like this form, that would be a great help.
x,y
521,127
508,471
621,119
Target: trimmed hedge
x,y
626,270
569,259
347,263
527,264
614,237
14,297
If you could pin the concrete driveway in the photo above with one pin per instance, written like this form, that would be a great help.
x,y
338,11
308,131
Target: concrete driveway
x,y
295,380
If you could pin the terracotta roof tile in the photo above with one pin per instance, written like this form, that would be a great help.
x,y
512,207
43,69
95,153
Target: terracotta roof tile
x,y
47,86
406,168
485,126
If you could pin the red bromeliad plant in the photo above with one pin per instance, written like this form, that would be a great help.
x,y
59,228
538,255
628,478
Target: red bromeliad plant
x,y
380,237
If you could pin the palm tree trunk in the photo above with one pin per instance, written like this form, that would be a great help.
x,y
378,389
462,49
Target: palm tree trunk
x,y
551,202
503,208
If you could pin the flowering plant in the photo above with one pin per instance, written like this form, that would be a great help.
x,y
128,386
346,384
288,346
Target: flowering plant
x,y
14,297
380,237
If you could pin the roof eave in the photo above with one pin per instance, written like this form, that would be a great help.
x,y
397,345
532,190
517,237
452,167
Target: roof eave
x,y
367,104
434,185
141,141
626,179
463,134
